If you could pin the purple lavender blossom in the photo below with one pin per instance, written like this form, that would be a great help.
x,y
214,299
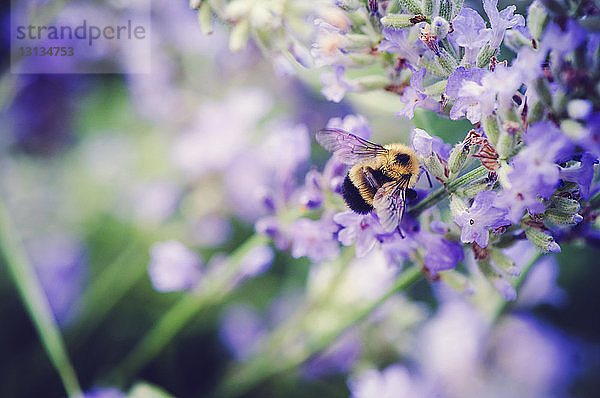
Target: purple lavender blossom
x,y
314,239
336,84
337,358
104,392
561,42
61,264
426,145
256,261
362,229
582,174
355,124
414,96
464,105
311,194
242,330
501,20
591,140
397,42
440,254
470,32
541,285
393,382
535,173
479,218
173,267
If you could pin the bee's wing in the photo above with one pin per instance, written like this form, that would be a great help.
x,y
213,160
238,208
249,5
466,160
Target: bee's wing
x,y
389,202
347,147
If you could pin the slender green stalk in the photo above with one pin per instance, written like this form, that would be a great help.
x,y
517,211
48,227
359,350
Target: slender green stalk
x,y
107,289
445,191
36,302
242,380
171,323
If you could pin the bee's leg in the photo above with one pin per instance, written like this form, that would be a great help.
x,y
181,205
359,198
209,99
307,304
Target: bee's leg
x,y
400,232
373,184
428,178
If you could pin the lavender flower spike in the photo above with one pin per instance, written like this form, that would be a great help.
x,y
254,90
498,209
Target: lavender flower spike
x,y
481,216
414,96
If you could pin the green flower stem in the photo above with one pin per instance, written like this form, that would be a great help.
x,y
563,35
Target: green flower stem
x,y
117,278
446,190
243,379
36,302
171,323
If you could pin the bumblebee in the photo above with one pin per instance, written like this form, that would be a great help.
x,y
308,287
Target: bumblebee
x,y
380,176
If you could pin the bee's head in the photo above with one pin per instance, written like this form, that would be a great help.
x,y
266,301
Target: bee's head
x,y
402,159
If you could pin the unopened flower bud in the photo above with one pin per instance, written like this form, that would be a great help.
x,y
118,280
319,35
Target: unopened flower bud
x,y
506,144
447,61
458,158
445,10
558,217
491,128
573,129
579,109
485,55
434,165
542,240
566,205
457,206
536,19
543,91
413,6
205,18
394,7
239,35
503,286
514,40
195,4
503,262
428,6
440,27
397,21
457,6
472,190
457,281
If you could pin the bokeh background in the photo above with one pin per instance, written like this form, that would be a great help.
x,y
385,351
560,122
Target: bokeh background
x,y
97,171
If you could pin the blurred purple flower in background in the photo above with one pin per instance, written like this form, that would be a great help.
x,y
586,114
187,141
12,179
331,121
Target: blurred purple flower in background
x,y
61,264
173,267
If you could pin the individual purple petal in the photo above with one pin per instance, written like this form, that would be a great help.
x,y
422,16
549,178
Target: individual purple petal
x,y
426,145
397,42
336,84
581,174
501,20
562,42
441,254
360,229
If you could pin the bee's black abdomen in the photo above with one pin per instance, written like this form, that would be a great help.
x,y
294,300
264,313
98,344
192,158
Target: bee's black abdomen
x,y
353,198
